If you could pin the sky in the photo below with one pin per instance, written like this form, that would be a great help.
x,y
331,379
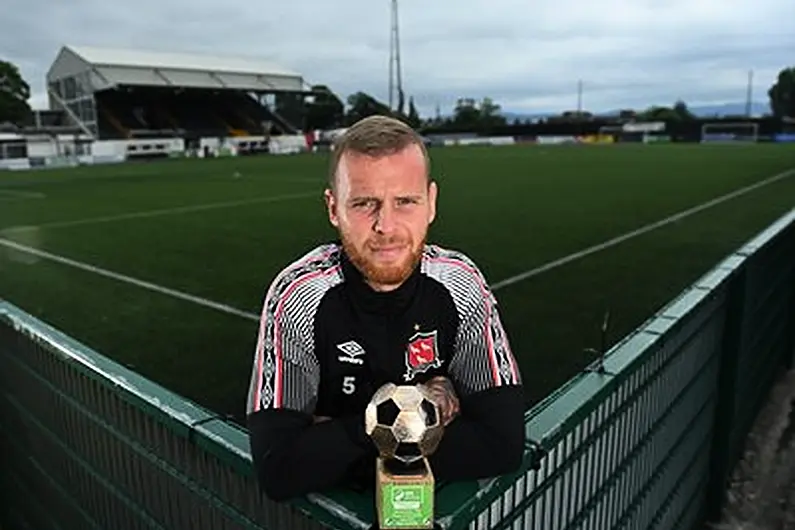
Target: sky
x,y
528,56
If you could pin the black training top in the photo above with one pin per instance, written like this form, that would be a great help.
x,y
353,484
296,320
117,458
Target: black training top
x,y
327,342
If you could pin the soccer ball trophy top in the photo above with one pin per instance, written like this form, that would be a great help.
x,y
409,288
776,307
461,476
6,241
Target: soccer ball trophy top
x,y
405,425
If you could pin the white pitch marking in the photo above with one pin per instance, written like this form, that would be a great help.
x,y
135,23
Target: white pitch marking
x,y
128,279
161,212
16,195
640,231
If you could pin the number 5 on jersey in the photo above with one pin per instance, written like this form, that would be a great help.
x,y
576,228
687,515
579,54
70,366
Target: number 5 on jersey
x,y
349,384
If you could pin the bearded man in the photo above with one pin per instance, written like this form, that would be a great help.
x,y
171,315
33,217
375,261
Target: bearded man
x,y
347,317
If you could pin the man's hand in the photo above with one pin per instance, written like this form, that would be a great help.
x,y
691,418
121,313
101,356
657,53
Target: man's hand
x,y
444,395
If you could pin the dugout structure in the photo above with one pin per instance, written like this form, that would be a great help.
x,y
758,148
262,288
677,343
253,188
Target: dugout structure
x,y
637,132
114,94
730,132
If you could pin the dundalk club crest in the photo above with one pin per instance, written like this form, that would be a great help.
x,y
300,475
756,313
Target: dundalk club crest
x,y
422,354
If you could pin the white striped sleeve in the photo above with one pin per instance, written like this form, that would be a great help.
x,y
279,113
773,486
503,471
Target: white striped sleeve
x,y
483,358
285,373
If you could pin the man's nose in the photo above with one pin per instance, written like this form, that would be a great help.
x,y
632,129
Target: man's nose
x,y
385,219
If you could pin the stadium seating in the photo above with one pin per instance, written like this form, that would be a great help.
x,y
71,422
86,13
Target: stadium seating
x,y
155,113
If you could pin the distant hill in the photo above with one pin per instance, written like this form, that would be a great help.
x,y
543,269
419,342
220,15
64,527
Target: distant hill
x,y
511,116
730,109
722,109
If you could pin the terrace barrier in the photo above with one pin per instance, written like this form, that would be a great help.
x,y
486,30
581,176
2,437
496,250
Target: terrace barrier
x,y
644,438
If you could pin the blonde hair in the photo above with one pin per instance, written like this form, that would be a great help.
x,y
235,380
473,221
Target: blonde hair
x,y
374,136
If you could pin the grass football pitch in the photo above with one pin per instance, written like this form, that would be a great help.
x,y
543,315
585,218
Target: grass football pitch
x,y
163,266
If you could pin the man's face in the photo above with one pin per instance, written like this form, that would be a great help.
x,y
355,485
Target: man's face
x,y
382,208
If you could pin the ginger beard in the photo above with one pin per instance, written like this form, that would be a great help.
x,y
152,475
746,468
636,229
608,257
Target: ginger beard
x,y
383,272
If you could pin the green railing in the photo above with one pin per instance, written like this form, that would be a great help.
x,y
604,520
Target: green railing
x,y
645,438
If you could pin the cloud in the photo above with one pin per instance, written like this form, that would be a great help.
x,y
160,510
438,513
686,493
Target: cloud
x,y
527,56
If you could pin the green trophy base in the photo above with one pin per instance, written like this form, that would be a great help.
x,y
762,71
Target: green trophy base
x,y
404,496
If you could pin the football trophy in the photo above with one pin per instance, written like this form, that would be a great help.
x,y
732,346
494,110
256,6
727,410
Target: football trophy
x,y
405,425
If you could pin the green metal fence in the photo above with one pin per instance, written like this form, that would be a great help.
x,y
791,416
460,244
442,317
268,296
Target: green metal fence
x,y
645,438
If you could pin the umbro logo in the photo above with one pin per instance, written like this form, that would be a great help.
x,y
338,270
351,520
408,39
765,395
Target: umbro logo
x,y
352,352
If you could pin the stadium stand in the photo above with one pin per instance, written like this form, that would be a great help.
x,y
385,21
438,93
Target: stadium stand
x,y
113,94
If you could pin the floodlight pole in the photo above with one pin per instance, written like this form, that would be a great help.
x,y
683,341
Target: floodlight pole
x,y
395,77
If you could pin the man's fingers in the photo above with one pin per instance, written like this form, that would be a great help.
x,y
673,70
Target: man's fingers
x,y
444,396
448,409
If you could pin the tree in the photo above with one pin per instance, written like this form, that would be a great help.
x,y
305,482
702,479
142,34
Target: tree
x,y
401,102
782,94
466,113
576,115
659,113
682,112
490,114
14,95
362,105
489,109
413,118
477,116
326,111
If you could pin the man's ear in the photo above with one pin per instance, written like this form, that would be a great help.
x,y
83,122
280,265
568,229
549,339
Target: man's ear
x,y
433,192
331,206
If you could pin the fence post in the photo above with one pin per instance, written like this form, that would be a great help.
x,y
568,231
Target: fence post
x,y
725,407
